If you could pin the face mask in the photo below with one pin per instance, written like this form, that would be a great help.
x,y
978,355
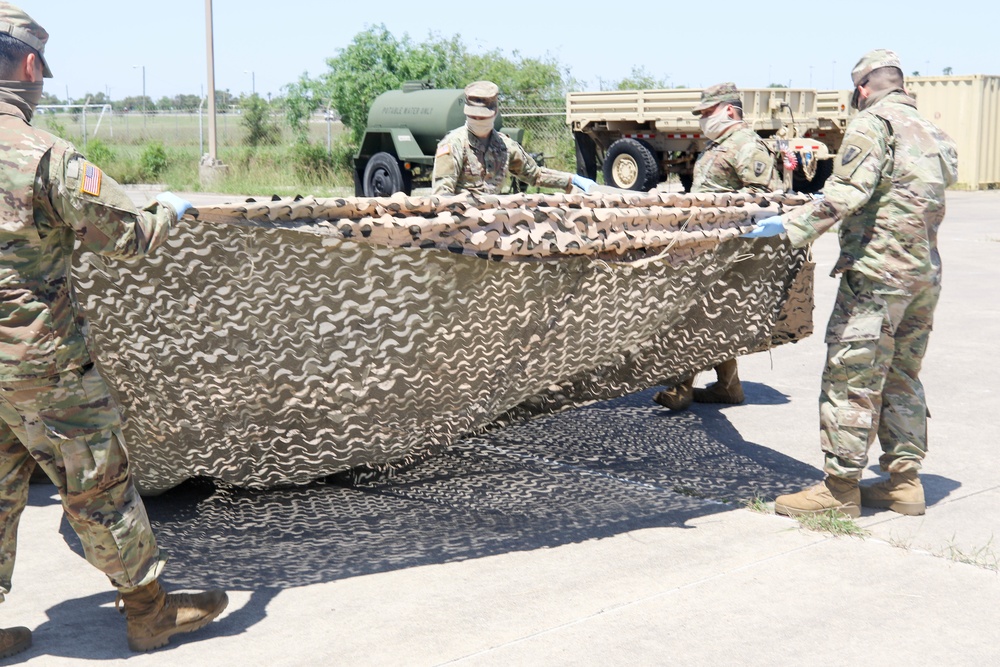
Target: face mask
x,y
22,94
480,127
715,125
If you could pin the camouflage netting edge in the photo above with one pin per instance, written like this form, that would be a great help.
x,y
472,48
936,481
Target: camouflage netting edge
x,y
273,343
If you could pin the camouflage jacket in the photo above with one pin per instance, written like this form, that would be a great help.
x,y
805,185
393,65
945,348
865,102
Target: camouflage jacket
x,y
52,198
888,189
739,162
465,163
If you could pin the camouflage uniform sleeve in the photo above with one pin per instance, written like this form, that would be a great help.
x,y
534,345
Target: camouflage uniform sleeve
x,y
857,170
97,208
755,168
948,154
524,167
447,167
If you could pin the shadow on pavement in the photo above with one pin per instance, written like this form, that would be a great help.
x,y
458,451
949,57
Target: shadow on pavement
x,y
589,473
583,474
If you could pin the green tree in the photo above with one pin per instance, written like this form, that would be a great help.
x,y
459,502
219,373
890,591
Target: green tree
x,y
186,102
640,79
135,103
376,61
256,119
946,71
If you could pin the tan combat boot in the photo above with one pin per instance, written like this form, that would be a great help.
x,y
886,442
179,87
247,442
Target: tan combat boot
x,y
727,390
153,617
833,493
677,397
14,640
902,493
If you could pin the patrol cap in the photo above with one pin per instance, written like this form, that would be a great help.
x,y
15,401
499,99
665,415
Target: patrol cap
x,y
481,99
16,23
870,62
717,94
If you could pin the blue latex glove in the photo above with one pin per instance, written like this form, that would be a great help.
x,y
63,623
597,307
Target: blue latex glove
x,y
583,182
767,227
819,196
179,205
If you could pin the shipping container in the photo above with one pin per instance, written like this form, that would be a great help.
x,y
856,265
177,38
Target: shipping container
x,y
968,109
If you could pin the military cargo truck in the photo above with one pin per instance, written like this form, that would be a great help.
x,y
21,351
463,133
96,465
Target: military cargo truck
x,y
403,131
638,137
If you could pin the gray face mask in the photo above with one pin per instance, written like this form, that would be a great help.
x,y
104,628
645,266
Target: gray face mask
x,y
480,127
22,94
715,125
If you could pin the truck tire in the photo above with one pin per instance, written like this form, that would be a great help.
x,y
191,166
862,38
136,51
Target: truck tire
x,y
586,155
382,176
631,165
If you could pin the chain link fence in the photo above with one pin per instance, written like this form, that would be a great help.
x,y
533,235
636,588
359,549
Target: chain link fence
x,y
166,146
546,133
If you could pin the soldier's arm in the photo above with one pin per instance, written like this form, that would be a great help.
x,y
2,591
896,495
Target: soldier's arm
x,y
755,168
857,169
524,167
447,167
97,208
948,154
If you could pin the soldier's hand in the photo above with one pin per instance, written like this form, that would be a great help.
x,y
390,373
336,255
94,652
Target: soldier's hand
x,y
180,206
583,182
767,227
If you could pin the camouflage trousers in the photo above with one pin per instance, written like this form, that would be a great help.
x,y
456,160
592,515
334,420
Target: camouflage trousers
x,y
68,424
876,341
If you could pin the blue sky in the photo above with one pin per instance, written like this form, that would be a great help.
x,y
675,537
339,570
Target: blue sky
x,y
104,45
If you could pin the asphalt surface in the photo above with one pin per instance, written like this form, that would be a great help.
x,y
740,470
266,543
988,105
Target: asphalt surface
x,y
613,534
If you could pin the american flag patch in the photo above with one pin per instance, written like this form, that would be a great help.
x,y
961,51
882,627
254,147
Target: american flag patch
x,y
91,183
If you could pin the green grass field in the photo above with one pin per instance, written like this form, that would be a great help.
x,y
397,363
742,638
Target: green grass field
x,y
118,142
127,147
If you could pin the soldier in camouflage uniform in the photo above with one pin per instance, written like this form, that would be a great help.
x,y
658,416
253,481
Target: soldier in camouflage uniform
x,y
55,409
476,158
888,191
736,160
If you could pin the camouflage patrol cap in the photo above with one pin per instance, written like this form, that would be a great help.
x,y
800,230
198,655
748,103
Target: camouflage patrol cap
x,y
717,94
16,23
870,62
481,99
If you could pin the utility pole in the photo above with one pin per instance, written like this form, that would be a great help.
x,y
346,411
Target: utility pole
x,y
210,169
212,153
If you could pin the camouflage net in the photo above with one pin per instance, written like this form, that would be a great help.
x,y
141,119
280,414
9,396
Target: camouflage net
x,y
277,342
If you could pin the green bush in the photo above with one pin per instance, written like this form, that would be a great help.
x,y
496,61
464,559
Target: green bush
x,y
312,163
153,160
100,153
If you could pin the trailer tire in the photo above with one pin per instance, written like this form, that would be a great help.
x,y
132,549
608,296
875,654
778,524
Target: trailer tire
x,y
801,184
631,165
383,176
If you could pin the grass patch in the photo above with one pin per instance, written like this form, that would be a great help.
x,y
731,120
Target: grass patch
x,y
831,522
984,556
758,504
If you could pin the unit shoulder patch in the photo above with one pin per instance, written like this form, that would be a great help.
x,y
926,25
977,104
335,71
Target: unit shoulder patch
x,y
855,149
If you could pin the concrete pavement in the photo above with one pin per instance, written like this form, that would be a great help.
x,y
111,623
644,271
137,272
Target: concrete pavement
x,y
613,534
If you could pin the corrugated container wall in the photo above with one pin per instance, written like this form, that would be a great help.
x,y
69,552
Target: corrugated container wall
x,y
968,109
